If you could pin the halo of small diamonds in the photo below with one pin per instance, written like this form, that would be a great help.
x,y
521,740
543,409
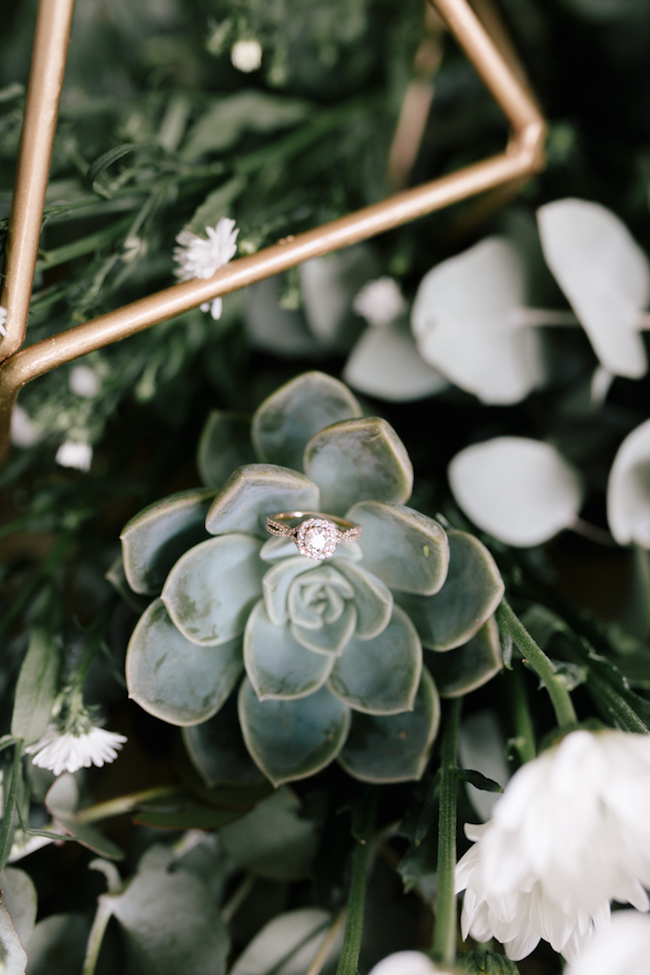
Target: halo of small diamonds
x,y
317,538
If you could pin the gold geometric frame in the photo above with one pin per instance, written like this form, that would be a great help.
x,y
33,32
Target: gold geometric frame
x,y
523,156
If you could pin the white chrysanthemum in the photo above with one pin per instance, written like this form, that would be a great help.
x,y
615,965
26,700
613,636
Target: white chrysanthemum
x,y
622,948
570,834
200,258
67,752
84,381
74,454
3,319
246,56
380,302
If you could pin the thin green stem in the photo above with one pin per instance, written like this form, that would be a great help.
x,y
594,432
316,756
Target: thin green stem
x,y
102,917
543,667
524,740
357,897
123,804
443,948
6,832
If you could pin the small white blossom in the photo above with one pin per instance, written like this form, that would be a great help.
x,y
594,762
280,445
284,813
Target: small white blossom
x,y
246,56
23,432
622,948
380,302
75,454
407,963
3,319
68,752
570,834
84,381
200,258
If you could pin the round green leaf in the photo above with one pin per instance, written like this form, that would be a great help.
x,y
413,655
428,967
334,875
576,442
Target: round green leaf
x,y
289,943
288,419
212,588
57,945
469,666
218,752
176,680
255,491
292,739
372,599
386,363
19,895
278,667
356,460
406,549
225,444
394,748
472,591
156,537
380,676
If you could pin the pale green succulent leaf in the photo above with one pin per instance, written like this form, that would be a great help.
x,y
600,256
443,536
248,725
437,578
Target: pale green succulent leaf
x,y
472,591
469,666
225,445
292,740
382,675
218,752
373,600
277,666
277,582
284,548
330,638
356,460
406,549
394,748
255,491
156,537
286,421
212,588
173,679
319,597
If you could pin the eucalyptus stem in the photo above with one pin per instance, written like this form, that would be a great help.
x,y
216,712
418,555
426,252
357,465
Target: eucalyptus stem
x,y
123,804
356,899
443,948
543,667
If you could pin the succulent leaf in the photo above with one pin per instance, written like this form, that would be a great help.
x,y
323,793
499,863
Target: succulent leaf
x,y
406,549
472,591
218,752
158,535
394,748
469,666
277,666
255,491
225,445
382,675
289,418
176,680
355,460
211,589
277,582
373,600
291,740
330,638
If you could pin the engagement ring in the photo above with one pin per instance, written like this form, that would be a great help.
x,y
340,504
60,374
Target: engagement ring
x,y
317,536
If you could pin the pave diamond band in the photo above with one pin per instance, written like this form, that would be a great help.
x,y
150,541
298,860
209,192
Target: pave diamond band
x,y
317,535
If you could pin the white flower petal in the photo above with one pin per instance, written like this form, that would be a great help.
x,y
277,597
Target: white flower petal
x,y
3,319
621,948
407,963
380,302
73,454
67,752
605,276
84,381
246,56
200,258
385,362
519,490
628,490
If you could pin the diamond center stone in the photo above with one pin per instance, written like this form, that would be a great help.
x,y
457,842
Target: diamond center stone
x,y
317,538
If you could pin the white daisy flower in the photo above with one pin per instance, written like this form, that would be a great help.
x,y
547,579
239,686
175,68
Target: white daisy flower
x,y
84,381
74,454
380,302
246,56
622,948
570,834
67,751
200,258
3,319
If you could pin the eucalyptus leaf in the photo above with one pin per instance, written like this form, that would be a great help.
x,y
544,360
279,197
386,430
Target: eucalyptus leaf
x,y
61,802
481,746
277,665
380,675
174,679
355,460
20,900
57,945
14,957
287,420
288,944
628,489
472,591
255,491
386,363
224,446
328,285
406,549
521,491
271,327
470,665
394,748
291,740
273,840
211,589
37,686
218,752
158,535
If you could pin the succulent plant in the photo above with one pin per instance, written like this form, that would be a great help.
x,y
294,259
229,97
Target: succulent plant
x,y
331,647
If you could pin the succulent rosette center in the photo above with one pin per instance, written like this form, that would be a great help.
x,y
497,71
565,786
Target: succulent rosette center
x,y
331,642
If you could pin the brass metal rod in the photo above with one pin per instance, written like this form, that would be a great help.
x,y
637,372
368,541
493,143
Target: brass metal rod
x,y
51,40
